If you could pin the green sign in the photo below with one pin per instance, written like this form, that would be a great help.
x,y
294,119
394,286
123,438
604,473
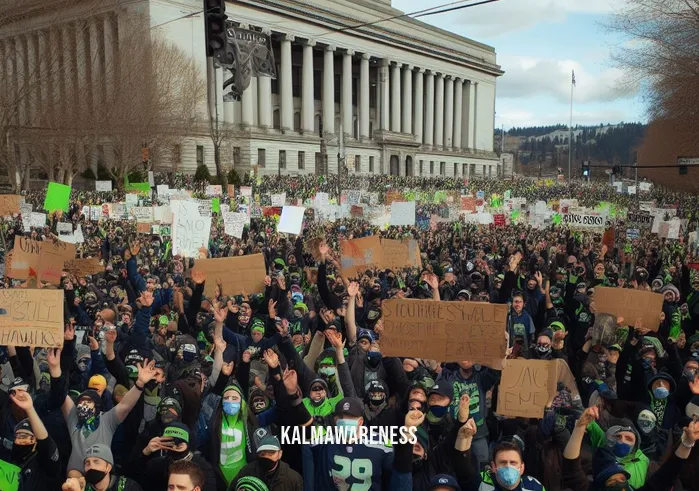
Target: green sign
x,y
9,476
57,197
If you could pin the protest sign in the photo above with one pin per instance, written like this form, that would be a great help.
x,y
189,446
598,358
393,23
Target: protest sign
x,y
52,260
25,258
237,274
392,196
57,197
84,267
584,220
644,186
633,233
631,190
234,224
9,204
397,254
214,190
353,196
468,203
402,213
190,230
640,220
103,186
144,228
142,213
163,190
499,220
31,317
444,331
278,199
162,214
527,386
25,209
9,476
205,207
631,305
321,199
357,255
95,213
246,191
291,220
131,199
65,231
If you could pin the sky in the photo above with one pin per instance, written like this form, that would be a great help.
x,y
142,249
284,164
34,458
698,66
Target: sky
x,y
538,44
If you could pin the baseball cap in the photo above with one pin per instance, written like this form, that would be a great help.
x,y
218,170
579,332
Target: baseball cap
x,y
269,443
444,480
97,382
443,388
349,406
100,451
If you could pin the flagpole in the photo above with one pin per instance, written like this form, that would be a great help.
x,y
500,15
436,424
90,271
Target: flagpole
x,y
570,128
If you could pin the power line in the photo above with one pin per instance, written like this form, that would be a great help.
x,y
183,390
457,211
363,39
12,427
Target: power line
x,y
483,2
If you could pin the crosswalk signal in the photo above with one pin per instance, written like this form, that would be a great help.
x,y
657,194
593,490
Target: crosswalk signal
x,y
215,27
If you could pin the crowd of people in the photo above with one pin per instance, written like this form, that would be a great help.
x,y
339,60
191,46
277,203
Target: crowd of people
x,y
160,387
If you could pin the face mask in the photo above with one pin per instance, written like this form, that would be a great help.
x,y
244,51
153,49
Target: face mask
x,y
647,364
173,455
508,476
438,411
93,476
374,359
85,412
646,426
418,462
83,365
349,426
231,408
152,385
543,351
267,465
661,393
167,417
622,449
327,371
20,452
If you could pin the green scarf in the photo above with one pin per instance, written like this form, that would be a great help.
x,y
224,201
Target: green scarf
x,y
233,457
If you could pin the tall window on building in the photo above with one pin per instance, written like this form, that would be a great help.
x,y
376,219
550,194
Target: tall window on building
x,y
456,169
484,170
371,165
302,160
442,168
261,157
282,159
200,155
236,156
431,167
357,163
177,153
422,163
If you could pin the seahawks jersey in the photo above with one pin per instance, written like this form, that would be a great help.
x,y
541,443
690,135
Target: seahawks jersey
x,y
336,467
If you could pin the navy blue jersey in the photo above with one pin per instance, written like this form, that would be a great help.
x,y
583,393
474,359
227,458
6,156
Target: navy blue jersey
x,y
346,467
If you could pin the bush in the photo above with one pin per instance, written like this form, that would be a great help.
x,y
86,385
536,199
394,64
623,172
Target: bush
x,y
233,177
138,176
202,174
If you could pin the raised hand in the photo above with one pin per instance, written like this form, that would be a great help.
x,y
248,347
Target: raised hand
x,y
464,408
272,308
22,399
468,429
353,289
335,338
290,380
271,358
283,328
414,418
690,433
146,371
220,314
69,333
588,416
146,298
198,277
110,336
94,345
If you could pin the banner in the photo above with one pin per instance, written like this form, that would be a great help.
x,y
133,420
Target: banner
x,y
444,331
644,186
31,317
584,220
190,230
248,54
103,186
631,305
499,220
468,203
640,220
237,274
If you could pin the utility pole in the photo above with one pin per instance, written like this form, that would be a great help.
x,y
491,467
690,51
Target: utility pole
x,y
502,139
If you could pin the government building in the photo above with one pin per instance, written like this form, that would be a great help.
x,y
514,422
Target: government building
x,y
395,97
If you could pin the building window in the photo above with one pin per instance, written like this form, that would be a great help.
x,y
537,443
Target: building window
x,y
276,120
282,159
484,170
464,170
261,157
177,153
302,160
442,168
357,163
371,165
431,167
422,162
236,156
297,121
317,84
200,155
473,170
296,81
456,169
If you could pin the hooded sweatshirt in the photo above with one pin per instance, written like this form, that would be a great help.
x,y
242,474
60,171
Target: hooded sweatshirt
x,y
635,463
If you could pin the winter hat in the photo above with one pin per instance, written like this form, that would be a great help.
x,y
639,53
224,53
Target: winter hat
x,y
444,481
546,333
250,483
671,289
100,451
623,425
24,425
365,334
83,351
120,390
179,432
661,376
604,466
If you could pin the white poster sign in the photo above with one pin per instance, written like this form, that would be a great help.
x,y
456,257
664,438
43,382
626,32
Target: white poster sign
x,y
142,213
278,199
291,220
403,213
103,186
234,223
584,220
190,230
38,219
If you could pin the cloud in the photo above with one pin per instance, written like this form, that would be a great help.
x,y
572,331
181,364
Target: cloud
x,y
506,16
527,77
517,116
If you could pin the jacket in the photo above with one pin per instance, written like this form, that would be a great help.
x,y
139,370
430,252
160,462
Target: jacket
x,y
284,478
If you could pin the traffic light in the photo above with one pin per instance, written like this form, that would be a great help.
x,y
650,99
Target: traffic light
x,y
215,27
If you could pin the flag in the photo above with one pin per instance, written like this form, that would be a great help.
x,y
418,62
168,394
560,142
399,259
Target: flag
x,y
248,54
574,78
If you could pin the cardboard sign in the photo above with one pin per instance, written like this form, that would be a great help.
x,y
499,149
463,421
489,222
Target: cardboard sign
x,y
144,228
190,231
25,258
84,267
526,387
9,204
358,255
631,305
9,476
31,317
52,260
237,274
398,254
468,203
392,196
444,331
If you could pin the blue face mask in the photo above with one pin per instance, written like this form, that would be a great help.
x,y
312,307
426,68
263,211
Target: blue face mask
x,y
438,411
622,449
661,393
231,408
349,426
507,476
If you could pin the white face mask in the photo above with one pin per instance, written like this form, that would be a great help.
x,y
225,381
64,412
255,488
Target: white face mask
x,y
350,426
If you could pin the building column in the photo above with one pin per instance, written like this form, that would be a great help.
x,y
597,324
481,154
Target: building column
x,y
407,99
466,117
248,102
346,106
458,106
264,101
448,111
428,137
287,105
96,65
385,97
364,96
395,98
419,104
308,106
329,90
474,112
439,111
82,59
